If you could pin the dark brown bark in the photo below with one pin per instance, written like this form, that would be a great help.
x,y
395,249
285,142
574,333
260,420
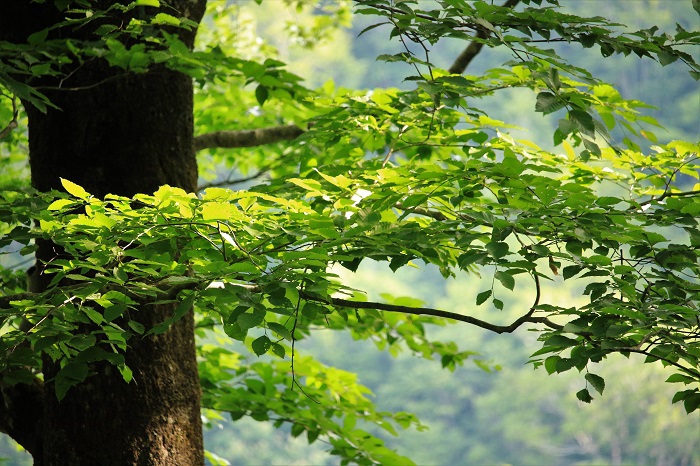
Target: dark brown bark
x,y
21,416
119,133
473,49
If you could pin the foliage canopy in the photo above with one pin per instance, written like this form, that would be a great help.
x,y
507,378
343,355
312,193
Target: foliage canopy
x,y
337,177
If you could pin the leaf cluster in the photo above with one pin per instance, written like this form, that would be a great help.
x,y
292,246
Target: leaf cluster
x,y
403,177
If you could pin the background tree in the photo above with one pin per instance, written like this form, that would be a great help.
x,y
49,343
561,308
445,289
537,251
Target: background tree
x,y
396,176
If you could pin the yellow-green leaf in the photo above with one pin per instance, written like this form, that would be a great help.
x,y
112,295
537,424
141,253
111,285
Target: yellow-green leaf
x,y
74,189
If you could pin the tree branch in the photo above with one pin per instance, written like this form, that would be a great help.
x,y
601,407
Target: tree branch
x,y
230,182
8,129
21,416
670,194
5,300
473,49
426,311
247,138
13,123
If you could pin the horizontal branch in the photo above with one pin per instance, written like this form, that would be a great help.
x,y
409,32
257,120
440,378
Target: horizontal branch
x,y
670,194
426,311
688,370
164,291
170,291
6,300
247,138
231,182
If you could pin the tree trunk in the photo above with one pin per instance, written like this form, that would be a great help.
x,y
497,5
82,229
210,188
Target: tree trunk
x,y
117,133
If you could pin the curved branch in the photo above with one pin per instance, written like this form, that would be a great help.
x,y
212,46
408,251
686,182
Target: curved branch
x,y
21,415
473,49
247,138
426,311
691,372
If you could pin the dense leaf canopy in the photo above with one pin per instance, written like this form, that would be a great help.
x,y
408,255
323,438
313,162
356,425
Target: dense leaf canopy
x,y
335,177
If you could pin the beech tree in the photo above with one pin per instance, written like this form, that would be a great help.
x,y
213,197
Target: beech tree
x,y
142,276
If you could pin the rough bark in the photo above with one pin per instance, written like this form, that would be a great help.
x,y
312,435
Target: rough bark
x,y
129,133
247,138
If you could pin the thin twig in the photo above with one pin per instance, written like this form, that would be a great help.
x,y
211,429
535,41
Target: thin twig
x,y
294,340
230,182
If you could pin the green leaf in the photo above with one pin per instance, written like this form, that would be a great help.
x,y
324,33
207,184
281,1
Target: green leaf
x,y
164,18
560,341
261,345
584,396
676,378
278,350
59,204
297,429
126,373
666,58
311,310
38,37
249,320
497,249
71,374
571,271
583,121
74,190
280,330
548,103
261,94
550,364
691,402
506,279
137,327
482,297
94,316
596,382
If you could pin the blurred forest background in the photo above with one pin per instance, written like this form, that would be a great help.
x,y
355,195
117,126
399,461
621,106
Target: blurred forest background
x,y
496,410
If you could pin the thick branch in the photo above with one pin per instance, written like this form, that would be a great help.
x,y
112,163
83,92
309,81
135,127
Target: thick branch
x,y
21,416
247,138
475,47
